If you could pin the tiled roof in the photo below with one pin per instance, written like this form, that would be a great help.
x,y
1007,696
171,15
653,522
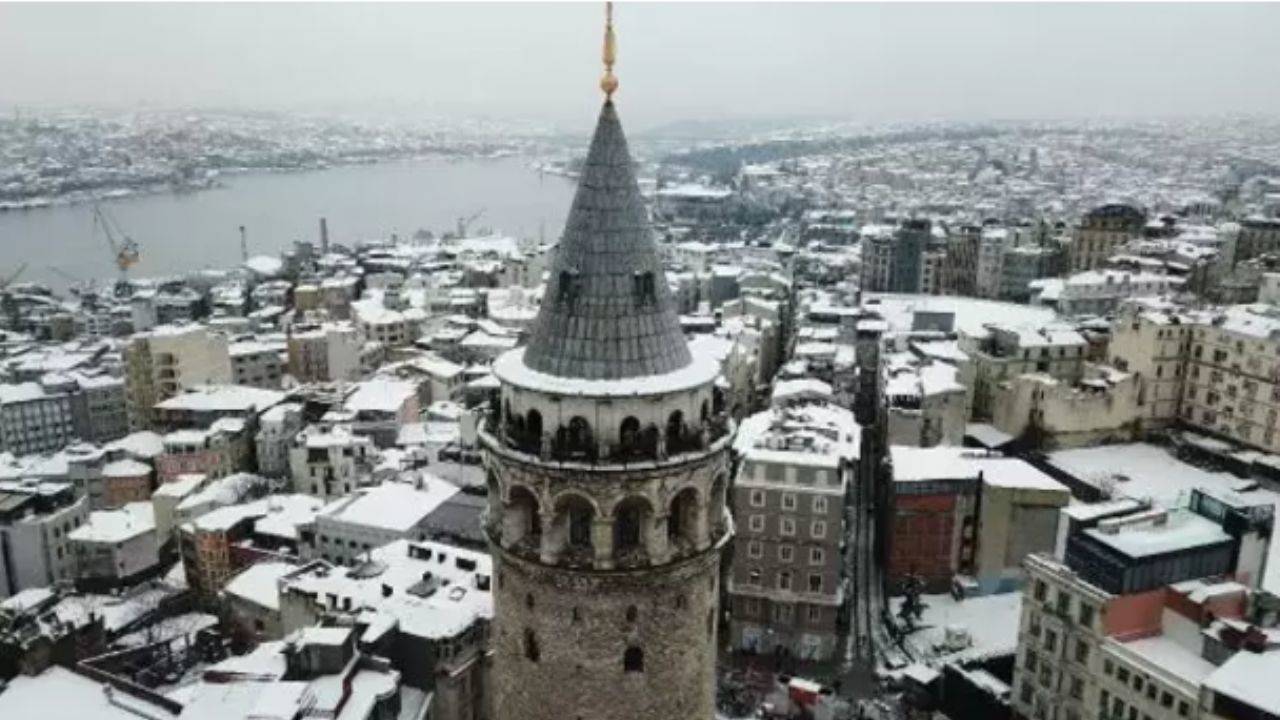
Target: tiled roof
x,y
607,313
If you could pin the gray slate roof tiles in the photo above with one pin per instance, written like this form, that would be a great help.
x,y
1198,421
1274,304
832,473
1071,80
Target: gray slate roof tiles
x,y
607,313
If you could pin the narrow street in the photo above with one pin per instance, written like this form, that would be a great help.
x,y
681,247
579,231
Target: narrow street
x,y
864,610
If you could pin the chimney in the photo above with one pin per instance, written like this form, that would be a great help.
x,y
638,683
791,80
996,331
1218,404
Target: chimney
x,y
324,236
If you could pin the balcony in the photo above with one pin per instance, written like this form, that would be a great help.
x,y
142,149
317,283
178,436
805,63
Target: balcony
x,y
576,444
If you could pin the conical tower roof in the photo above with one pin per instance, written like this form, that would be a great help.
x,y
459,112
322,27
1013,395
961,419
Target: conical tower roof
x,y
607,313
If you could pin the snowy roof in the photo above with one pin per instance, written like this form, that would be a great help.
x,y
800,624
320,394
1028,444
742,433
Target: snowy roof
x,y
258,583
125,468
60,694
915,464
971,314
1181,531
114,526
511,369
436,589
380,394
816,435
285,513
222,398
1250,678
392,506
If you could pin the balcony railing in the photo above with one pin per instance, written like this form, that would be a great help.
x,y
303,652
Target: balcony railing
x,y
647,445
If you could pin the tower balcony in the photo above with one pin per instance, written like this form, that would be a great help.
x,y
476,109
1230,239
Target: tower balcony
x,y
574,444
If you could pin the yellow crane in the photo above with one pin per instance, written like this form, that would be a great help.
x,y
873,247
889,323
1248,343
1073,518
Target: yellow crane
x,y
124,249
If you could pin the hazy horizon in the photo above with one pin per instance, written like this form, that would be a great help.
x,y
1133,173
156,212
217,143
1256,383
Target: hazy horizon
x,y
677,62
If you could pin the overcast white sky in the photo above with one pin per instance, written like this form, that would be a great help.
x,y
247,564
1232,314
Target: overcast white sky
x,y
676,61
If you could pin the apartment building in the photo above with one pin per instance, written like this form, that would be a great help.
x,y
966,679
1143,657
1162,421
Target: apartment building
x,y
965,517
923,402
1100,292
347,529
34,420
257,364
276,430
329,462
1006,351
1151,340
36,519
796,466
167,359
116,547
1101,231
226,447
1111,587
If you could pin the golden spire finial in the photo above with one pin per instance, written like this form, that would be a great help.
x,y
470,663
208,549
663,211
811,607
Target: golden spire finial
x,y
609,82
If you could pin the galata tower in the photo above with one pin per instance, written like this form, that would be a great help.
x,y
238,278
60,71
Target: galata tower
x,y
607,470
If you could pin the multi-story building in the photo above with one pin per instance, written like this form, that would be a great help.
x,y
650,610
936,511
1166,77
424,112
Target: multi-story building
x,y
960,270
431,605
98,406
1257,235
1232,383
1103,230
992,246
329,462
1099,292
1141,620
910,242
796,466
276,430
166,360
380,406
959,516
328,352
1008,351
35,521
348,528
220,543
34,420
202,406
923,403
116,547
1022,264
1049,413
877,247
226,447
257,364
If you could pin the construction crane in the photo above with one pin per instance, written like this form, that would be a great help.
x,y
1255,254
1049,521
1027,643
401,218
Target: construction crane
x,y
464,223
124,249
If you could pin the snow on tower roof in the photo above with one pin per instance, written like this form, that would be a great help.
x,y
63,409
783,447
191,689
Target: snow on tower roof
x,y
607,313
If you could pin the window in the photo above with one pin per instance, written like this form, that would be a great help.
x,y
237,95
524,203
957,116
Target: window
x,y
633,660
818,529
1166,699
784,580
753,577
786,553
757,498
783,612
1050,640
788,501
1122,674
1086,615
788,527
816,556
1029,660
1063,603
820,505
815,582
531,652
755,549
756,522
1082,651
1040,590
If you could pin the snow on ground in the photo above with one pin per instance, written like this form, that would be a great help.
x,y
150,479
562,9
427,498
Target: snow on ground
x,y
991,621
115,611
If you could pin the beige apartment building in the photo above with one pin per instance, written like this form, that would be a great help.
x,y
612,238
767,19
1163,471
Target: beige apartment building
x,y
161,362
1103,230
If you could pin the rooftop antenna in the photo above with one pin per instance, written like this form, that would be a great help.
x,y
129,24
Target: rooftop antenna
x,y
609,83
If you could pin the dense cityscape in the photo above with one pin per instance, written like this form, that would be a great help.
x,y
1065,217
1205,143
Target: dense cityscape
x,y
817,422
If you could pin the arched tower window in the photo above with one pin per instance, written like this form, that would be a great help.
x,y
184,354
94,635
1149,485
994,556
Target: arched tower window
x,y
706,411
630,519
644,289
629,434
524,522
574,517
682,518
575,438
633,660
533,426
675,431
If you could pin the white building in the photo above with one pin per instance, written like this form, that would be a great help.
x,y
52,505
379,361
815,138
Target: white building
x,y
116,547
1099,292
347,529
257,364
276,430
36,519
330,462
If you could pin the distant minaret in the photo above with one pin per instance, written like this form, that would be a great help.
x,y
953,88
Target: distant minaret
x,y
244,245
324,237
